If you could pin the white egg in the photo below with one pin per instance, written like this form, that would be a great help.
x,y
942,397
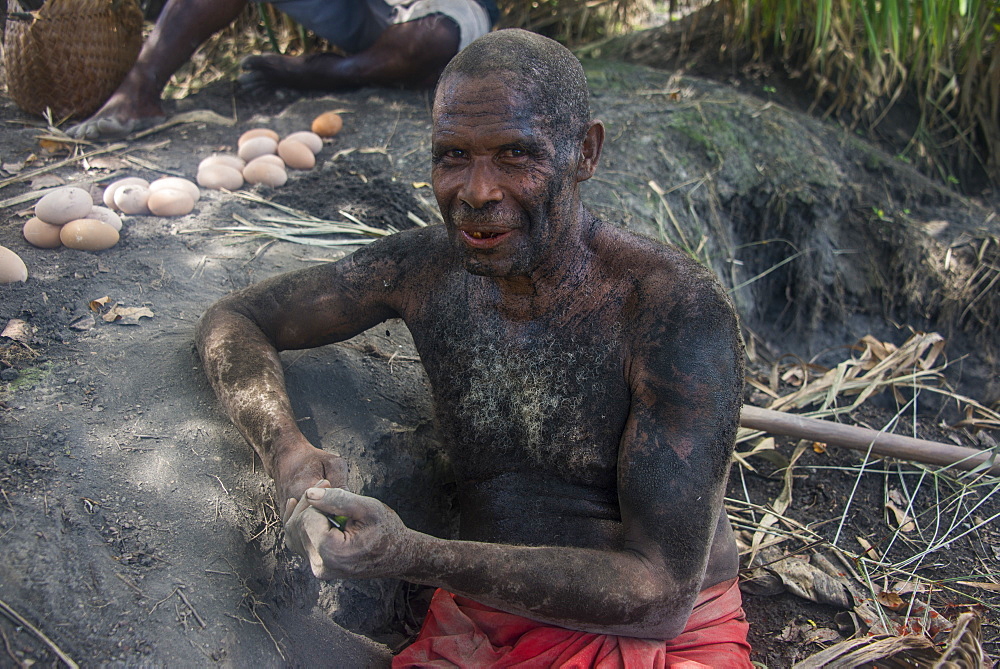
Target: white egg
x,y
257,132
105,215
264,172
310,139
219,176
132,199
223,159
258,146
12,268
109,192
63,205
177,183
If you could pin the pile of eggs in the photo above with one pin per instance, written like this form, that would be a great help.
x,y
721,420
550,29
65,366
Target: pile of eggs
x,y
67,216
264,157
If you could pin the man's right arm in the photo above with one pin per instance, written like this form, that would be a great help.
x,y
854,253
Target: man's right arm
x,y
239,338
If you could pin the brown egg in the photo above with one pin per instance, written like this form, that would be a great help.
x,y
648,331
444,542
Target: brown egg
x,y
296,155
327,124
88,234
257,132
109,192
105,215
310,139
12,268
170,202
63,205
264,172
257,146
41,234
176,183
227,159
220,176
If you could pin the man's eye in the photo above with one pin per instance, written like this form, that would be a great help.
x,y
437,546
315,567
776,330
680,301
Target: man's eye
x,y
515,153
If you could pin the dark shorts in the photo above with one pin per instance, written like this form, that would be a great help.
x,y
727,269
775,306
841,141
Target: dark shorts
x,y
354,25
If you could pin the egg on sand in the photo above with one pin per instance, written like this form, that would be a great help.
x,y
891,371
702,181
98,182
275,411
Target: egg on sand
x,y
327,124
109,192
256,132
257,146
264,171
63,205
88,234
176,183
41,234
170,202
296,154
219,175
226,159
132,199
12,268
310,139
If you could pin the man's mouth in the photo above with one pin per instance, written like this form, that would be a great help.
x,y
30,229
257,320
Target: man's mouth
x,y
484,239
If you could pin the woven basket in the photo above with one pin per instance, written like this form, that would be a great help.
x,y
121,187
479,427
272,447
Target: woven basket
x,y
72,56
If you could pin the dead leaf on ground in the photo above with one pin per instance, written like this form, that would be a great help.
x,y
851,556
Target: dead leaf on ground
x,y
108,163
903,521
47,181
126,315
18,330
99,303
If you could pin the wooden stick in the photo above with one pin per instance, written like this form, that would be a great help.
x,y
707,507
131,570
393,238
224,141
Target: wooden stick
x,y
862,438
21,620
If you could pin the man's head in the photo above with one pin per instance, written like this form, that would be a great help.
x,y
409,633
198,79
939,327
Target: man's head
x,y
547,74
512,140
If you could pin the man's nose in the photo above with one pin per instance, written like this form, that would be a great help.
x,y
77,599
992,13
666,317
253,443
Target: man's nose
x,y
480,186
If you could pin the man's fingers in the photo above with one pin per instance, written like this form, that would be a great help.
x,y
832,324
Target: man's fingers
x,y
336,501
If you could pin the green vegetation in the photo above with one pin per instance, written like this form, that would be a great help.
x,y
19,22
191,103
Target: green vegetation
x,y
864,56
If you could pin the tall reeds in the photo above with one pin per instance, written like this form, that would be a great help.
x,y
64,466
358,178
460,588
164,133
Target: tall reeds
x,y
864,56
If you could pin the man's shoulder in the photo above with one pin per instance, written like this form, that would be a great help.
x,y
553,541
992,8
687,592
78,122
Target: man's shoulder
x,y
658,271
409,250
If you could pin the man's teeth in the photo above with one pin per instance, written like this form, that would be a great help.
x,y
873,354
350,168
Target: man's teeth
x,y
483,235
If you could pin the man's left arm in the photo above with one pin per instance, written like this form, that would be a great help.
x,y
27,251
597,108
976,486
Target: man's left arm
x,y
686,380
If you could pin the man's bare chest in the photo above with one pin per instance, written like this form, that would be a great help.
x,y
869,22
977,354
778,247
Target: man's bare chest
x,y
542,398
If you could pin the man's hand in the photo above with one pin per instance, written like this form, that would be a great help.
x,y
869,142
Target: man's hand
x,y
299,468
373,543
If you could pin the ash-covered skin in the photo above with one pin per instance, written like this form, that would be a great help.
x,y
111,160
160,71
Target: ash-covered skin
x,y
587,381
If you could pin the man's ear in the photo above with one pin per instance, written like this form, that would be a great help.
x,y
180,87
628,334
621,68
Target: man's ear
x,y
590,151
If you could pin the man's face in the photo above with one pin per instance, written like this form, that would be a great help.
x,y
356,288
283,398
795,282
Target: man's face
x,y
506,197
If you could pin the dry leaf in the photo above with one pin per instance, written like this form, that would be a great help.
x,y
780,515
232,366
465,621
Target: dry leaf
x,y
126,315
421,184
868,548
819,447
12,168
99,303
52,146
890,600
903,521
17,330
47,181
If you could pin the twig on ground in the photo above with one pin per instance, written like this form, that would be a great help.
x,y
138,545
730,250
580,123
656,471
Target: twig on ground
x,y
21,620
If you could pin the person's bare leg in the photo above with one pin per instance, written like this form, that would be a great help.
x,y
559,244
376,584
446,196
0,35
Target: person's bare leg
x,y
182,27
408,54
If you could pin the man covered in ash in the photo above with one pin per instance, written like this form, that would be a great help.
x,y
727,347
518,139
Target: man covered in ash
x,y
386,43
587,385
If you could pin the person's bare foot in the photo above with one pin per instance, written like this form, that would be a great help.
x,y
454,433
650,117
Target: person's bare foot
x,y
120,116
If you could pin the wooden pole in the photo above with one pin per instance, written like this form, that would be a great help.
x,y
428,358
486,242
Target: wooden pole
x,y
862,438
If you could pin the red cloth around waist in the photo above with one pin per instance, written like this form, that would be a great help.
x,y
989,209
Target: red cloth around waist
x,y
459,632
